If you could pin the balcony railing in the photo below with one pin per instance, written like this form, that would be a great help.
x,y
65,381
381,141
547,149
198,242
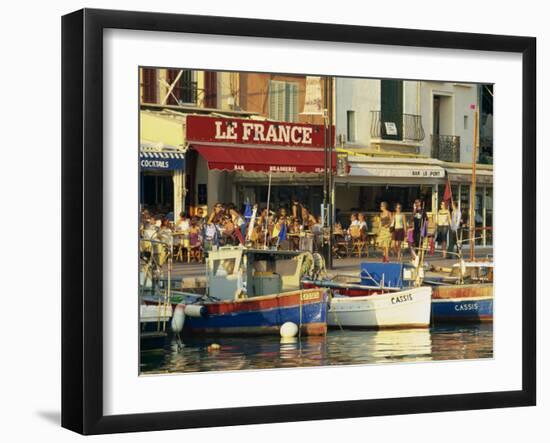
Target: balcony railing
x,y
185,92
396,126
446,147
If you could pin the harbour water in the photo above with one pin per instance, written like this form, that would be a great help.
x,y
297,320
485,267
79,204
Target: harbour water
x,y
339,347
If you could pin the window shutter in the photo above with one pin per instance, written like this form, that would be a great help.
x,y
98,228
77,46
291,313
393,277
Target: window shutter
x,y
276,100
210,89
149,85
291,102
391,106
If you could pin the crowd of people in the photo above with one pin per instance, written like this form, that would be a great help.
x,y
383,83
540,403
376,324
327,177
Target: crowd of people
x,y
293,228
296,228
396,229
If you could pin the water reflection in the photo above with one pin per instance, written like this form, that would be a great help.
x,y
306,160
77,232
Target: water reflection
x,y
337,348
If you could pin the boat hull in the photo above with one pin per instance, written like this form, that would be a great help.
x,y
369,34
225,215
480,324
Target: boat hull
x,y
154,325
403,309
462,303
264,315
459,310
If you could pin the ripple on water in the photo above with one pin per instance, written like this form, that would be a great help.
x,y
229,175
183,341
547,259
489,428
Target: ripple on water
x,y
348,347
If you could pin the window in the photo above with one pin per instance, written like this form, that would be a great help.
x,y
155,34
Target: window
x,y
350,126
465,122
283,101
149,85
185,88
210,89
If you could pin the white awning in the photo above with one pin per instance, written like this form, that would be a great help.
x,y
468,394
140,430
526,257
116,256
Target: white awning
x,y
415,171
458,175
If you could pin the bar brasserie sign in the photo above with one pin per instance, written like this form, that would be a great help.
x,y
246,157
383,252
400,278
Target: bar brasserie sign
x,y
257,132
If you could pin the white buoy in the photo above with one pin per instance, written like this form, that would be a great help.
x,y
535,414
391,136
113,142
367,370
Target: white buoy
x,y
289,330
178,319
195,310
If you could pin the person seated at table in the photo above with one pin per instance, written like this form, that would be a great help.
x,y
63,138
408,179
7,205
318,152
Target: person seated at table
x,y
217,214
150,229
362,223
279,232
227,231
261,216
282,213
210,235
164,233
149,233
354,219
195,240
183,223
257,235
200,214
308,219
294,231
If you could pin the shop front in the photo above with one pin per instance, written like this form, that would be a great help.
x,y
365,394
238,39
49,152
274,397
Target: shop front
x,y
162,163
252,161
372,180
161,182
460,179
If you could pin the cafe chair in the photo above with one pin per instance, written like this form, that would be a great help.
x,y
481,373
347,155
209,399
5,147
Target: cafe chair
x,y
358,242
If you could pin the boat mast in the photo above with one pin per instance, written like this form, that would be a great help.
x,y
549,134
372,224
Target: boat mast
x,y
473,185
267,216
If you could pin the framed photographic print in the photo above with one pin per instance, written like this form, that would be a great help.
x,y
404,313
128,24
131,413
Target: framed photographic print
x,y
273,221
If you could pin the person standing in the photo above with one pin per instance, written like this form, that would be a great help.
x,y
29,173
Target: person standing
x,y
420,221
317,231
239,223
384,234
296,210
443,220
399,224
454,234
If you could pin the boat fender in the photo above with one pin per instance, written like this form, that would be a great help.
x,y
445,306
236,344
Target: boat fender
x,y
195,311
289,330
213,347
178,319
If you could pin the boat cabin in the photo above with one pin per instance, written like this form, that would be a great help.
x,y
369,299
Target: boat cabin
x,y
236,272
474,271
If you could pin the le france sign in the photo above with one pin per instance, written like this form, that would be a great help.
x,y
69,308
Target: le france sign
x,y
254,132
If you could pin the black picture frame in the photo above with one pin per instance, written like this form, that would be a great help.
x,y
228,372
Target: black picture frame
x,y
82,220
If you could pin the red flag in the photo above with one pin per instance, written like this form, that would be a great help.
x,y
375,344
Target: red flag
x,y
448,194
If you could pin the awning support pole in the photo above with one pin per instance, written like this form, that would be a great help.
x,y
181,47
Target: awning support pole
x,y
267,217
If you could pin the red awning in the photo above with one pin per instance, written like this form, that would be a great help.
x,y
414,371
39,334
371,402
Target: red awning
x,y
264,159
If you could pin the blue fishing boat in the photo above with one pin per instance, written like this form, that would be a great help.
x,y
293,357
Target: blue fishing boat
x,y
250,292
464,293
467,309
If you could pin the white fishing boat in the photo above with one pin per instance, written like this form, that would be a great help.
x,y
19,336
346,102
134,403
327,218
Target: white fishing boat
x,y
392,309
